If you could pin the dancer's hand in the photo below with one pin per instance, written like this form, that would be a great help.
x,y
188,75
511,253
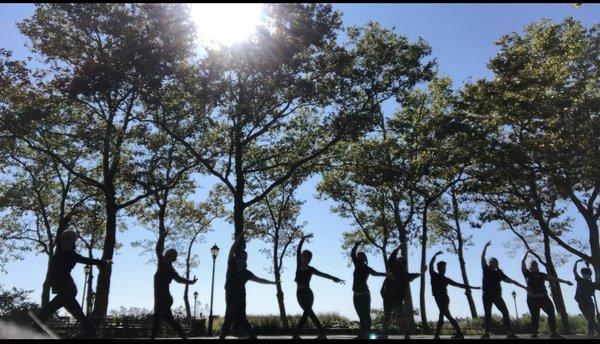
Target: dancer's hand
x,y
438,253
476,288
308,236
424,269
107,261
569,283
488,243
340,281
194,280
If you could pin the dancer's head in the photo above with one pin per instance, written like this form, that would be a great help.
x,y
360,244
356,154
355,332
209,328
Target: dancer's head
x,y
586,273
306,257
533,266
493,263
241,259
171,255
68,240
362,258
441,266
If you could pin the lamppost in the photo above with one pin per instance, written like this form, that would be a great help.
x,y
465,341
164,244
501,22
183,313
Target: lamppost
x,y
514,295
195,302
214,251
86,269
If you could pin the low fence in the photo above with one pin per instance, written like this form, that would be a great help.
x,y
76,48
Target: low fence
x,y
124,327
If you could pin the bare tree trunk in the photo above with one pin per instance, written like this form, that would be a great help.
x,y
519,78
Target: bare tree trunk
x,y
277,272
108,250
408,302
89,286
461,258
186,296
280,302
424,323
555,288
186,301
238,221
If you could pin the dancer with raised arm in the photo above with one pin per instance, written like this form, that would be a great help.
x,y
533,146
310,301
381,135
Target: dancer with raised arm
x,y
304,273
584,297
163,300
439,289
537,295
235,289
492,293
362,295
393,292
62,283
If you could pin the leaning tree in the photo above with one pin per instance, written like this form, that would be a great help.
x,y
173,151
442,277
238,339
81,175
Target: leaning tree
x,y
98,61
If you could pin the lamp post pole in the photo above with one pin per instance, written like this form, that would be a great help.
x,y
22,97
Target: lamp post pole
x,y
195,302
214,251
86,270
514,295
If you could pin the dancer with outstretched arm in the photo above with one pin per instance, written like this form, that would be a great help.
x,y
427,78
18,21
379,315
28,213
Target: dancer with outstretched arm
x,y
163,300
62,283
584,297
439,289
235,289
304,273
393,293
492,293
362,295
537,295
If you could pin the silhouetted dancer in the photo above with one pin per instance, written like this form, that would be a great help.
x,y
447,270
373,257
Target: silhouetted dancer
x,y
583,296
362,295
163,300
537,296
235,289
492,293
393,292
304,273
62,283
439,289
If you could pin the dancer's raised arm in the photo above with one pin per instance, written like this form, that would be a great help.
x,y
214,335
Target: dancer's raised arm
x,y
575,273
299,249
394,255
432,261
483,260
524,263
353,252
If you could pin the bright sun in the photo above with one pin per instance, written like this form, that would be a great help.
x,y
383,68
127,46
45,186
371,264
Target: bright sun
x,y
225,23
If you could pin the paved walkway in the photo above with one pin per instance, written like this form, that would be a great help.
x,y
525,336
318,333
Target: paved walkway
x,y
346,337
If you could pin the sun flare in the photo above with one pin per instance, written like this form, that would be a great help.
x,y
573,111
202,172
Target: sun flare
x,y
225,24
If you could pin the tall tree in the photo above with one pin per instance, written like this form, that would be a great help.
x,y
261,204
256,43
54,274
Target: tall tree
x,y
286,96
275,221
446,228
187,222
437,146
540,112
41,198
99,60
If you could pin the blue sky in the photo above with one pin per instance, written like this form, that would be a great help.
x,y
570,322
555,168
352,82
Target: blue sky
x,y
461,36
